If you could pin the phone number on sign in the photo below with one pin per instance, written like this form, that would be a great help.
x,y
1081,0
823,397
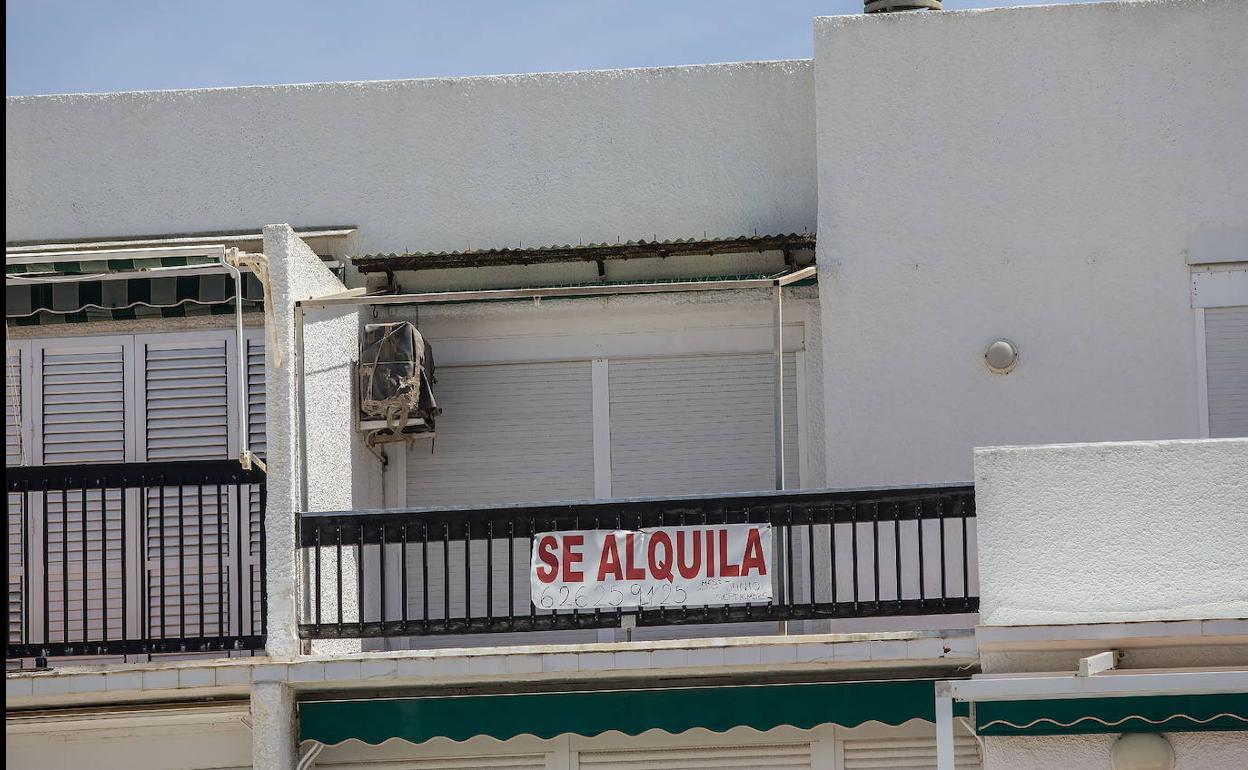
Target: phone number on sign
x,y
674,594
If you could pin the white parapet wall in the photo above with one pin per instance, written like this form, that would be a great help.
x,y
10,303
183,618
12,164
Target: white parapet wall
x,y
1112,532
437,164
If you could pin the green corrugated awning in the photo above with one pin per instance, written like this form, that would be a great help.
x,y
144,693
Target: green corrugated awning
x,y
632,712
1151,714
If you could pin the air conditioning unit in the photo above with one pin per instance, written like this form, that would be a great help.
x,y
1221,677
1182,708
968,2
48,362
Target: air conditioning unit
x,y
395,383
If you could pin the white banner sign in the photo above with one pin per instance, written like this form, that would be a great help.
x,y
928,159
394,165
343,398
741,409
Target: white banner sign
x,y
660,567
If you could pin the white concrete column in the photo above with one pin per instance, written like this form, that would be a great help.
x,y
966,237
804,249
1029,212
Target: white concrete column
x,y
274,733
944,727
338,466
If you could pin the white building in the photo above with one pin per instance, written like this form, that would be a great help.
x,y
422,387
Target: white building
x,y
687,296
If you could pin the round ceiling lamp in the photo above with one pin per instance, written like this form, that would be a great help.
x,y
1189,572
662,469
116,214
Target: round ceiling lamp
x,y
1143,751
1001,357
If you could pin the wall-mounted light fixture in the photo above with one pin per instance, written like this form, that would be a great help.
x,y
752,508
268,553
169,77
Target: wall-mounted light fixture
x,y
1001,357
1143,751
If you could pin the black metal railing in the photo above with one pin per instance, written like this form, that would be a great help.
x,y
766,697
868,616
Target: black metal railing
x,y
838,554
134,559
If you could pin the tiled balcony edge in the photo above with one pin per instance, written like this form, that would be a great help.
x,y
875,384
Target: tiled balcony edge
x,y
218,678
1150,633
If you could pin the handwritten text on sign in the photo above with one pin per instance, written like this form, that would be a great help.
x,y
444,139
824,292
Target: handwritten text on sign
x,y
658,567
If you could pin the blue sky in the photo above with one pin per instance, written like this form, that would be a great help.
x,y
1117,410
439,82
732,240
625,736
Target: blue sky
x,y
70,46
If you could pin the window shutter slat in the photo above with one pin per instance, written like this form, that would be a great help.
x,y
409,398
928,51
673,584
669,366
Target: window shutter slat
x,y
84,405
1226,362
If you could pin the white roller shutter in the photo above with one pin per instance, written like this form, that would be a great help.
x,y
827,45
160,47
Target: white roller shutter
x,y
905,754
699,424
508,433
1226,361
755,756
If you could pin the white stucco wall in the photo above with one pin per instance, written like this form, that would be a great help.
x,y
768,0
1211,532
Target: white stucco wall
x,y
159,739
1027,173
1098,533
428,164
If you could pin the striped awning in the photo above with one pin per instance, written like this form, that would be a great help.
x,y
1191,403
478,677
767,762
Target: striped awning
x,y
101,266
80,301
632,712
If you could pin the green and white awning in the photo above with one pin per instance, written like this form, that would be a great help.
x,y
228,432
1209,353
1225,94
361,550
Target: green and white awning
x,y
632,712
1150,714
102,266
65,292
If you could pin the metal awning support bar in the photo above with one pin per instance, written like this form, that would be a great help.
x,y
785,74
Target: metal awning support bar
x,y
486,295
214,251
1109,684
188,239
226,259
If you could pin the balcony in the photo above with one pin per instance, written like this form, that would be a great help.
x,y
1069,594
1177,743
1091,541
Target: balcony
x,y
834,554
110,562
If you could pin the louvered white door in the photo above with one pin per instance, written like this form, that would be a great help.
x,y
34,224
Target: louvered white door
x,y
186,407
905,753
258,444
508,433
84,402
84,388
15,450
754,756
1226,362
186,392
699,424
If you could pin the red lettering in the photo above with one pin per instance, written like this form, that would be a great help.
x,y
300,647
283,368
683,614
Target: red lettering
x,y
571,557
726,568
710,553
753,558
546,554
660,569
631,571
688,571
610,559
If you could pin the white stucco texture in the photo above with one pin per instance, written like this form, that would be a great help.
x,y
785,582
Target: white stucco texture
x,y
1192,751
1033,174
296,273
1099,533
428,164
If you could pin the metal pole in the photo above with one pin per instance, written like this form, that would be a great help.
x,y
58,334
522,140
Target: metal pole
x,y
777,322
240,351
778,332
